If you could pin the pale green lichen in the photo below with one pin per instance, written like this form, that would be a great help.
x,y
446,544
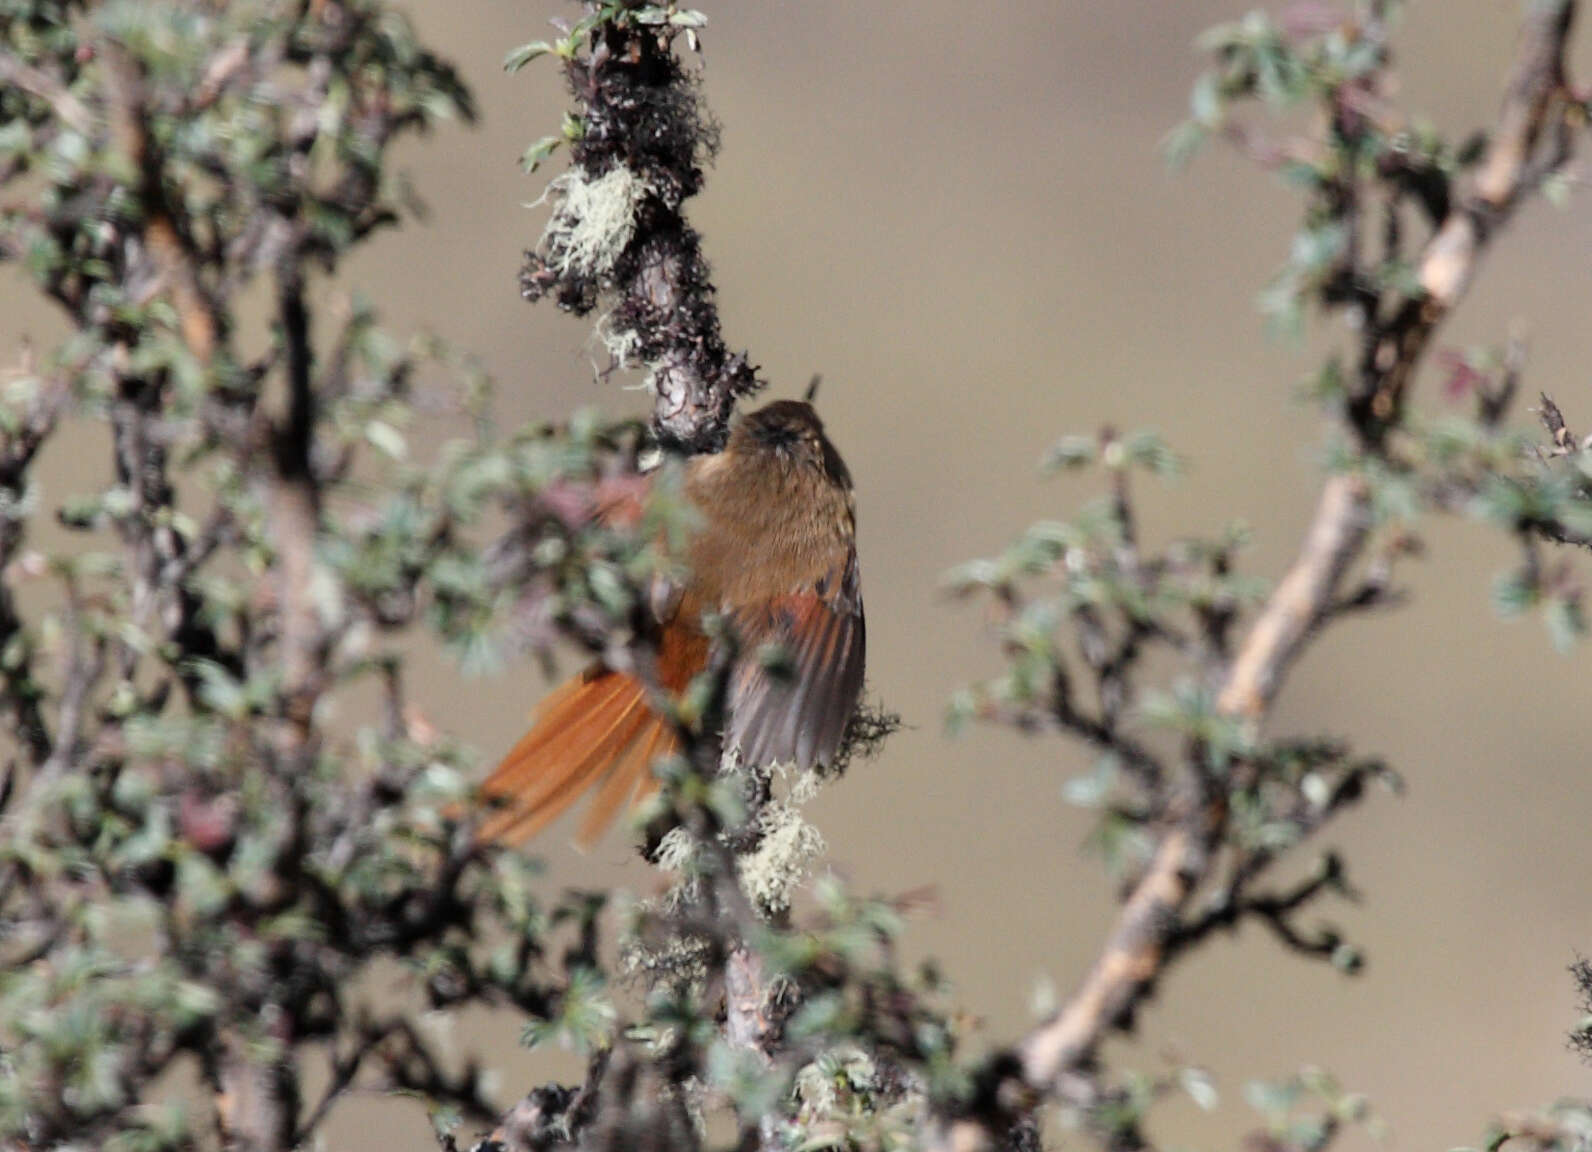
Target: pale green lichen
x,y
623,345
676,852
593,222
843,1101
783,857
769,874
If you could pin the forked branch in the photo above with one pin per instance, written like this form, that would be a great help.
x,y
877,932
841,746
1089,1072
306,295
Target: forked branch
x,y
1531,142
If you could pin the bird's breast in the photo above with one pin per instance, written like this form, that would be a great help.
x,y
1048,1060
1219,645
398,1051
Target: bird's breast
x,y
766,533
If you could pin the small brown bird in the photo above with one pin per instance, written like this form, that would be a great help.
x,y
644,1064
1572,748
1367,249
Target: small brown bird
x,y
776,554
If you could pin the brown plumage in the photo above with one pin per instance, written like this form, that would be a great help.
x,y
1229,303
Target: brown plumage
x,y
776,553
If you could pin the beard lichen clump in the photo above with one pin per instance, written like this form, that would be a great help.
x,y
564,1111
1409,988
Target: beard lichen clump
x,y
593,222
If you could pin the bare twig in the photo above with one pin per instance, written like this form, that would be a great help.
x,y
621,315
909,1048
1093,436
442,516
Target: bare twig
x,y
84,667
1564,442
295,520
1275,909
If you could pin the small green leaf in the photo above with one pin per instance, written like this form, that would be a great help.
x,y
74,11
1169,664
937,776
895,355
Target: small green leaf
x,y
1070,452
1092,789
1513,593
1348,959
386,439
533,156
1556,188
1150,452
1182,142
524,54
1565,622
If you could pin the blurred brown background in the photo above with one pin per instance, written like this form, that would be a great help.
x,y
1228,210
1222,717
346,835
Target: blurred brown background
x,y
957,213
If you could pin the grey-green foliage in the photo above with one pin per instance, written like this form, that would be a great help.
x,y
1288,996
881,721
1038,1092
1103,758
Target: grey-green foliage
x,y
222,812
226,823
1375,184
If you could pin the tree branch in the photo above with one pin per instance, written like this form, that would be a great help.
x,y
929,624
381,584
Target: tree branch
x,y
644,141
1138,947
1534,102
1336,536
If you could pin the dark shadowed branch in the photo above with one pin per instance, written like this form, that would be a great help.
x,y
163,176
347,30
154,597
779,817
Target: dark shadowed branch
x,y
618,232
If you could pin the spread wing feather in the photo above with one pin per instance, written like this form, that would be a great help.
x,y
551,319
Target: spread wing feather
x,y
800,672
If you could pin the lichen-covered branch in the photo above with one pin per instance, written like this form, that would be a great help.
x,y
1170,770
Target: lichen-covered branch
x,y
618,237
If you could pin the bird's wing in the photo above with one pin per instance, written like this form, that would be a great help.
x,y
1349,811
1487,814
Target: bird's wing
x,y
799,672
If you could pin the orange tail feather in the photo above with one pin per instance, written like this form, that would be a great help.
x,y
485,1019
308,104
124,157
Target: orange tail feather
x,y
596,731
630,779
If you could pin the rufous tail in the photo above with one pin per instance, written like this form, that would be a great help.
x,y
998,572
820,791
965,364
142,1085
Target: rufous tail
x,y
596,732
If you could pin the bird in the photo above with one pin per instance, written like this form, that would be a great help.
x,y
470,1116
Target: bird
x,y
775,555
